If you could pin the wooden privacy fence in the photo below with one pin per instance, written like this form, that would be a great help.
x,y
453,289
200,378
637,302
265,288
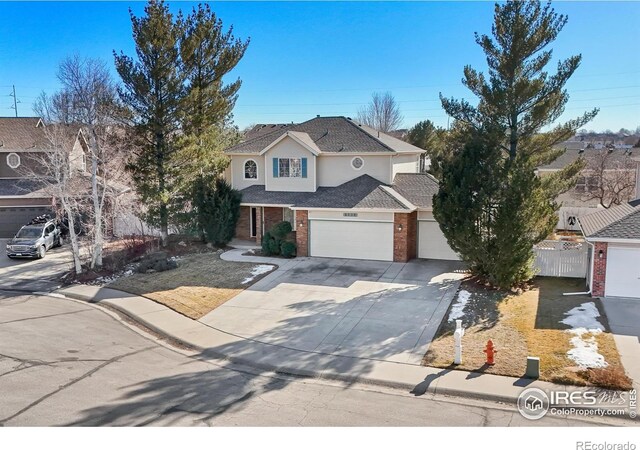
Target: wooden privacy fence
x,y
561,259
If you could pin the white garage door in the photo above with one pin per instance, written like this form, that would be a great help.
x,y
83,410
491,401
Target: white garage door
x,y
431,242
351,239
623,272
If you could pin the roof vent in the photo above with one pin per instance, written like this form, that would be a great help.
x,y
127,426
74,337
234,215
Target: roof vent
x,y
317,116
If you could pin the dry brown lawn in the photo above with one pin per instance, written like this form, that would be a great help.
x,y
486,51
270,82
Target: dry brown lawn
x,y
524,325
199,284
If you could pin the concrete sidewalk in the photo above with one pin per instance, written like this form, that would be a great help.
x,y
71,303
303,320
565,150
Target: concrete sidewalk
x,y
218,344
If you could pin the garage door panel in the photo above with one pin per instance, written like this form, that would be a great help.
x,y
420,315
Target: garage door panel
x,y
623,272
14,217
351,239
431,242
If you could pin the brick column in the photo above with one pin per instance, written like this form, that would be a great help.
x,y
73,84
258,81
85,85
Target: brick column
x,y
404,236
302,232
258,225
599,269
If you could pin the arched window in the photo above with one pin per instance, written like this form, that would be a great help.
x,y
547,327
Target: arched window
x,y
250,170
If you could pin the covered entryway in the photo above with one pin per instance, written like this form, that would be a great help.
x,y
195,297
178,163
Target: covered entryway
x,y
351,235
623,272
14,217
431,242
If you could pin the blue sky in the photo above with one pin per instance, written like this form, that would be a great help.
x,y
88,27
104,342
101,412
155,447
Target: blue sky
x,y
328,57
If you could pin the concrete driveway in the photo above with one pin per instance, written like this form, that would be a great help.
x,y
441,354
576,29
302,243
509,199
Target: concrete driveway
x,y
364,309
33,274
623,315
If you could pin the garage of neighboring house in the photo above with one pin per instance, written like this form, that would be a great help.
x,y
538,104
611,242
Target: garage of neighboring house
x,y
614,236
14,217
357,235
431,241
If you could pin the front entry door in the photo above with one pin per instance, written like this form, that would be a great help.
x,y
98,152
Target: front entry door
x,y
253,222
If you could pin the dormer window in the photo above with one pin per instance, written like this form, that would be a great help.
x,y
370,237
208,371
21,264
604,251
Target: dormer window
x,y
13,160
289,167
250,170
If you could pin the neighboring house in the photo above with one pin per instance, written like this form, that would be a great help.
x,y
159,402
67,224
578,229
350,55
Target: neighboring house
x,y
577,202
23,142
348,191
614,254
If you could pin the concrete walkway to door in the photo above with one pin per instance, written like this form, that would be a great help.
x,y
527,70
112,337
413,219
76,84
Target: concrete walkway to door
x,y
363,309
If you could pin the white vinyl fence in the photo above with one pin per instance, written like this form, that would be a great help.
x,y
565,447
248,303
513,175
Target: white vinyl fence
x,y
561,259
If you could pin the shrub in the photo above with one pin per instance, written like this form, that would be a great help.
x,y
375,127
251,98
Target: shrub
x,y
274,241
281,229
267,244
217,209
288,249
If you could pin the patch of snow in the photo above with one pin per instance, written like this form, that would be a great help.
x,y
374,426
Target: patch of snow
x,y
457,310
583,316
584,324
257,271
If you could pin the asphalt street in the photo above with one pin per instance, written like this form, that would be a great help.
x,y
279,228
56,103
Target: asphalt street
x,y
63,362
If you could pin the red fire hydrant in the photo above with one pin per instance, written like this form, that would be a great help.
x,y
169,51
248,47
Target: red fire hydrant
x,y
491,351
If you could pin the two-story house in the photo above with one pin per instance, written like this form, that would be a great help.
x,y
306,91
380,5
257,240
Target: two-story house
x,y
348,190
22,196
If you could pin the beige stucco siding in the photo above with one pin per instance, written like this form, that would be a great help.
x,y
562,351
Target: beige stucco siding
x,y
405,164
334,170
238,180
289,148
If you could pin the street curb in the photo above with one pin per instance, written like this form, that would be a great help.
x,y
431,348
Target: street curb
x,y
431,388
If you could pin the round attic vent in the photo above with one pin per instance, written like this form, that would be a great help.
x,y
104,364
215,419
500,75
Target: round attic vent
x,y
357,163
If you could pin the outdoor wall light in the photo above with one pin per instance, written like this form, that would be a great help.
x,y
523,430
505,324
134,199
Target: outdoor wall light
x,y
600,254
400,227
300,223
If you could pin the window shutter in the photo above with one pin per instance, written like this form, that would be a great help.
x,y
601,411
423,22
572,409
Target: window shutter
x,y
275,167
304,167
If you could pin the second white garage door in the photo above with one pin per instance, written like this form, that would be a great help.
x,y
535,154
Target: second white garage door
x,y
623,272
351,239
431,242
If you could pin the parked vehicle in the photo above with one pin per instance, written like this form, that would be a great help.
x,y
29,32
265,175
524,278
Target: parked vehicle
x,y
33,240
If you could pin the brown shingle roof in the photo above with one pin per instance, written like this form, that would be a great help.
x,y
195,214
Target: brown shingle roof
x,y
331,135
22,133
418,188
618,222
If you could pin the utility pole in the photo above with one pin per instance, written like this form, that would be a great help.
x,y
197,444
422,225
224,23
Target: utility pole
x,y
15,100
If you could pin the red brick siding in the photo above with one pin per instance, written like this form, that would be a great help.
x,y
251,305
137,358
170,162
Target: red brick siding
x,y
271,216
259,226
243,227
302,232
404,240
599,269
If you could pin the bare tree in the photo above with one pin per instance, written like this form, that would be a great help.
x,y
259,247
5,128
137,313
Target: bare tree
x,y
88,99
53,172
609,177
382,114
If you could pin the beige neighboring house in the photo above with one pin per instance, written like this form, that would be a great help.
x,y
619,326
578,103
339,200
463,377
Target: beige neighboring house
x,y
576,203
348,190
22,141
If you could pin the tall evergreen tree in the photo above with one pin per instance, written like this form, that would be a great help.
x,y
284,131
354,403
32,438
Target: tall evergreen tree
x,y
516,101
427,136
153,89
208,54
